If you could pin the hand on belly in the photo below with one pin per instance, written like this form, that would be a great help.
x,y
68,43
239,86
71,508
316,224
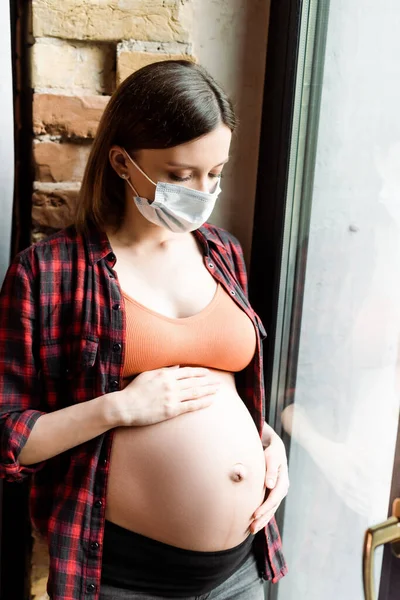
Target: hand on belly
x,y
193,481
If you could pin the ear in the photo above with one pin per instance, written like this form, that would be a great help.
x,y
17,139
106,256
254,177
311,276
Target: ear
x,y
118,161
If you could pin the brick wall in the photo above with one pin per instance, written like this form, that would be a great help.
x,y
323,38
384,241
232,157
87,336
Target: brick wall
x,y
82,50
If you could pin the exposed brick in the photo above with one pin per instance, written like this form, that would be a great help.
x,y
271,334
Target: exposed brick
x,y
52,210
56,162
38,235
112,20
132,55
68,116
128,62
73,66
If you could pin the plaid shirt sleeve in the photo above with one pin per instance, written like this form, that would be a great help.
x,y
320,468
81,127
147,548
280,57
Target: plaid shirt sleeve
x,y
19,393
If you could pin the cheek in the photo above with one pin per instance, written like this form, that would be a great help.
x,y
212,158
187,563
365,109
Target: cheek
x,y
149,191
144,188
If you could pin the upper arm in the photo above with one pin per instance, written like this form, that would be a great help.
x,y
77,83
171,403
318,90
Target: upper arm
x,y
19,393
18,375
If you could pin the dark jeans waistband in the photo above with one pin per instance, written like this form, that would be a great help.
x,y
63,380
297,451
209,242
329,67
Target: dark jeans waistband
x,y
138,563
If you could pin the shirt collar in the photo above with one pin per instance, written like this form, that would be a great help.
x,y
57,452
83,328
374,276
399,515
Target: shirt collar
x,y
205,234
98,244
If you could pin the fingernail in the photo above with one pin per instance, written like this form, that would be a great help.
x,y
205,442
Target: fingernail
x,y
270,483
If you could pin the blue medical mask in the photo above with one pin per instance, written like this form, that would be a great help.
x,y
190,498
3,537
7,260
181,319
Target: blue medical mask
x,y
178,208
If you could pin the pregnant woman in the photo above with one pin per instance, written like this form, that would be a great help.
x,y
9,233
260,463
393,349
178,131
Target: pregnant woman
x,y
131,366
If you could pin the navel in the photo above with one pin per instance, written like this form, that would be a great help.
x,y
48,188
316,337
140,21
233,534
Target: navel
x,y
238,472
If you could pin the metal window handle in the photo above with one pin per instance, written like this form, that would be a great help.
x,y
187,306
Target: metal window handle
x,y
384,533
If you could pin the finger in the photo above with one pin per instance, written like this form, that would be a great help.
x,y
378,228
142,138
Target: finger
x,y
261,523
196,382
273,501
193,405
270,506
198,391
187,372
272,473
271,478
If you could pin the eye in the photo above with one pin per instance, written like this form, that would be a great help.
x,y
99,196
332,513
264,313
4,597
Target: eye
x,y
177,178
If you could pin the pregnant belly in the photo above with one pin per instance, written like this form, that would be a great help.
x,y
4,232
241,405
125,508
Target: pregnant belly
x,y
193,481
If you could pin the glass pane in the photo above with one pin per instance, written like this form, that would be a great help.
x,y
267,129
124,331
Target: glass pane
x,y
343,403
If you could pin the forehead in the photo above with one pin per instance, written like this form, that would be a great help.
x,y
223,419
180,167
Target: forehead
x,y
206,151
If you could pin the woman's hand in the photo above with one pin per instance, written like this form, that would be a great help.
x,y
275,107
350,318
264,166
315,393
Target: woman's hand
x,y
276,478
162,394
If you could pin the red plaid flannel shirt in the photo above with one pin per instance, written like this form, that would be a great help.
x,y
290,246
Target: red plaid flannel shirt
x,y
62,341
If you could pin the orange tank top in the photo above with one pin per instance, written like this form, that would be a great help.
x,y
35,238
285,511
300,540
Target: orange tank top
x,y
219,337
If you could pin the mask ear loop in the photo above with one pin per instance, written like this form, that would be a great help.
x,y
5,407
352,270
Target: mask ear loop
x,y
139,169
126,178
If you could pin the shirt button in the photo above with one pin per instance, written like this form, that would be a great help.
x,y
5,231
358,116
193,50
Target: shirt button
x,y
114,385
105,461
98,504
91,588
94,546
233,293
117,347
111,257
211,265
116,306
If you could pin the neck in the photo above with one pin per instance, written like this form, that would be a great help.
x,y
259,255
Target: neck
x,y
136,230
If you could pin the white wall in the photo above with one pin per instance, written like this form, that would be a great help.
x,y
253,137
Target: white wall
x,y
230,39
6,139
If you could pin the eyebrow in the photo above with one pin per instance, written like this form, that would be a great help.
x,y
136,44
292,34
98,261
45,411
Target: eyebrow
x,y
182,165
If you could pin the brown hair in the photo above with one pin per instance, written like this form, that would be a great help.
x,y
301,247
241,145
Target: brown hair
x,y
159,106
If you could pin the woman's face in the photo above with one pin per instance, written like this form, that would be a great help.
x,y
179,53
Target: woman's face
x,y
196,164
